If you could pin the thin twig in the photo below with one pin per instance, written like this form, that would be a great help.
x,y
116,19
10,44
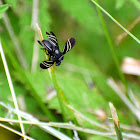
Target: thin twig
x,y
27,131
11,87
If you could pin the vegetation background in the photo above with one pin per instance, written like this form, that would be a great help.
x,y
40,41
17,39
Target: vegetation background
x,y
81,81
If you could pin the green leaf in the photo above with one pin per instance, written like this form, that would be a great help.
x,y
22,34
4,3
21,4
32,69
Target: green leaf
x,y
12,2
99,79
119,3
83,12
78,93
3,8
136,3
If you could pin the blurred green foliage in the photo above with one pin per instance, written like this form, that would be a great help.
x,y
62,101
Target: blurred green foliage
x,y
3,8
83,74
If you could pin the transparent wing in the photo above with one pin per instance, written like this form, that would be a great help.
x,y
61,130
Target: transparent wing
x,y
52,38
46,64
68,45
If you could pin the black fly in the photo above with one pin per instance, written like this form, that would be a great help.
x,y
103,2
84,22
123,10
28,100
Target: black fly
x,y
51,48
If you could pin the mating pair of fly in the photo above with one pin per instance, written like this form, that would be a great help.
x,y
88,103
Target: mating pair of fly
x,y
51,48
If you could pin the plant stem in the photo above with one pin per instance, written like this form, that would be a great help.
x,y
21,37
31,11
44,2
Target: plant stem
x,y
111,47
135,38
11,88
116,121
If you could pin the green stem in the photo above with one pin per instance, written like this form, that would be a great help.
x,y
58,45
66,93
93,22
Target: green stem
x,y
116,21
60,94
118,132
116,121
61,98
111,46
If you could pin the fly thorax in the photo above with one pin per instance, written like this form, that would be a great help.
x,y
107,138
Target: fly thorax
x,y
57,52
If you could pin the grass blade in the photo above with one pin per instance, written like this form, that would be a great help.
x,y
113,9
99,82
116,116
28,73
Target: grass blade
x,y
116,61
27,81
11,87
135,38
116,121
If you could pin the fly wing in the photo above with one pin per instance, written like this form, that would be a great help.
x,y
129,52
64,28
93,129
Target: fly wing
x,y
46,44
68,45
46,64
52,39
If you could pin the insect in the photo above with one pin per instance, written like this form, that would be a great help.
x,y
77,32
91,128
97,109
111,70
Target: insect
x,y
51,48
